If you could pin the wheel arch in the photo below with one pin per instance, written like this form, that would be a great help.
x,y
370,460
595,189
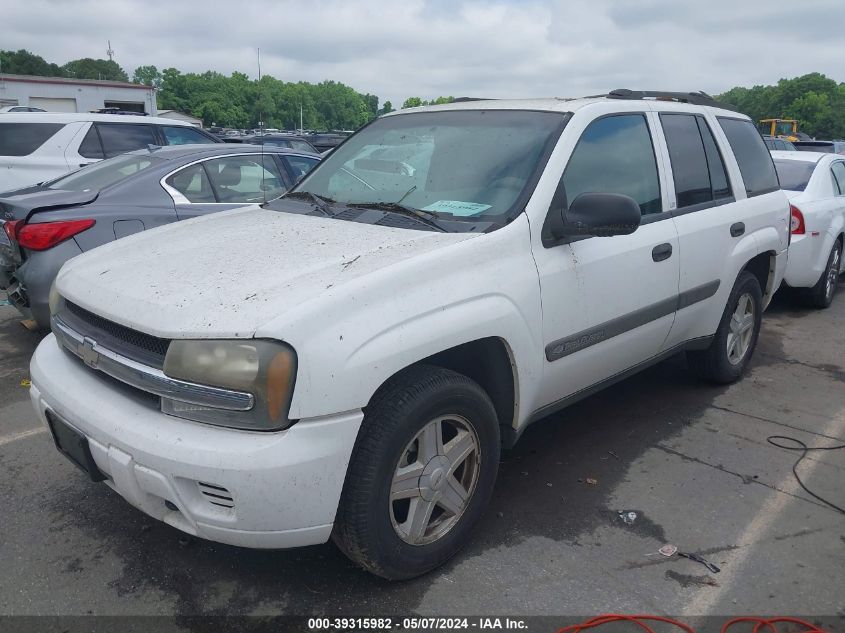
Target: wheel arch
x,y
490,362
763,267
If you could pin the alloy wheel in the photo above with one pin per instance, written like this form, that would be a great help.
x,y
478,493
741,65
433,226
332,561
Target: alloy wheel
x,y
741,329
434,480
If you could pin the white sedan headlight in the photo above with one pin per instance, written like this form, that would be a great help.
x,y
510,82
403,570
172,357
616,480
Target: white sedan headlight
x,y
265,369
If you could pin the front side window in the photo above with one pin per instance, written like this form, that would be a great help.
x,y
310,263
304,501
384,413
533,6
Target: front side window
x,y
192,182
755,162
21,139
615,155
245,178
460,165
119,138
105,173
177,135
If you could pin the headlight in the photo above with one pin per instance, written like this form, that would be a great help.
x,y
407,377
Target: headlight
x,y
266,369
55,299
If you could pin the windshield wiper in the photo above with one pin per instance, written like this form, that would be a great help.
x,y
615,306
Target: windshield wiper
x,y
321,203
424,217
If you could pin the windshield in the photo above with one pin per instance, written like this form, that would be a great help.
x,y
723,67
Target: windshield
x,y
457,164
104,173
794,174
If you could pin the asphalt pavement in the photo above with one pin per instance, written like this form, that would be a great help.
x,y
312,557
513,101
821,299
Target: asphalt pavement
x,y
690,460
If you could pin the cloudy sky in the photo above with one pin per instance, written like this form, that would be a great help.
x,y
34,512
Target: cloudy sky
x,y
498,48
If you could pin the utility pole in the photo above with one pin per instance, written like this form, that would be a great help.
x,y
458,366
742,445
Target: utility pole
x,y
110,52
300,118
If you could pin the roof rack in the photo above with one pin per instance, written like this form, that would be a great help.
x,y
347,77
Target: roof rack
x,y
695,98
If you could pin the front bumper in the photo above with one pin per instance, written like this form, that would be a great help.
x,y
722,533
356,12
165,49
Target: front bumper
x,y
283,487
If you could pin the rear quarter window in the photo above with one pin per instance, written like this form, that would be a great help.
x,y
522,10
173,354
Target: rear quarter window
x,y
21,139
755,162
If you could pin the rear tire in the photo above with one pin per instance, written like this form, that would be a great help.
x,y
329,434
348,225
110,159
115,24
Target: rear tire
x,y
421,473
821,295
733,345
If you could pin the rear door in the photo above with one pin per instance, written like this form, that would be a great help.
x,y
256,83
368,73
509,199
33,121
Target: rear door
x,y
724,190
608,302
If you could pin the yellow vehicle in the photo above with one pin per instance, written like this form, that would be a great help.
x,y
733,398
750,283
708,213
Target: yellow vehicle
x,y
786,129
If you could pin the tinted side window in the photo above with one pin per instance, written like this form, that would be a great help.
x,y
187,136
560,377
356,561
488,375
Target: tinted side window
x,y
243,179
689,164
615,155
192,182
299,165
183,135
90,146
125,137
755,162
838,170
718,174
21,139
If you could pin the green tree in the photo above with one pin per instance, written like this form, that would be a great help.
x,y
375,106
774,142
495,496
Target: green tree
x,y
88,68
412,102
387,107
147,75
22,62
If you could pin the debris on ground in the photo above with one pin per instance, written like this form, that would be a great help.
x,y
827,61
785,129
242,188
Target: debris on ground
x,y
26,382
700,559
668,551
30,324
628,517
591,481
612,454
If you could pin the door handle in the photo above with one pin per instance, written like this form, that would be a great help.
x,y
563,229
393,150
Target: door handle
x,y
737,229
661,252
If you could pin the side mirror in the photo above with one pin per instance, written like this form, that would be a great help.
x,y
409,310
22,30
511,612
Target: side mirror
x,y
600,215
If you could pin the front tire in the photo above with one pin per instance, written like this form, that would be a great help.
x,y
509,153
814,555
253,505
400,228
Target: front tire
x,y
728,355
421,473
821,295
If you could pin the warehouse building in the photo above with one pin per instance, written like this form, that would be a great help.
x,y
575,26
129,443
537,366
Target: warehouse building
x,y
60,94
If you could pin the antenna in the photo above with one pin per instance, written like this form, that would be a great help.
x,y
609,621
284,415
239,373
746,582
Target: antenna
x,y
261,130
110,52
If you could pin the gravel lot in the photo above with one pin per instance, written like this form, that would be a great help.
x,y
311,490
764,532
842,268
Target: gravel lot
x,y
692,461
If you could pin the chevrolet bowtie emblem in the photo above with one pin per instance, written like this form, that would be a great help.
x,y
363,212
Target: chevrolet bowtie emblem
x,y
88,353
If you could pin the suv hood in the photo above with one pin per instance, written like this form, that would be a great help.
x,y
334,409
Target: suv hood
x,y
227,274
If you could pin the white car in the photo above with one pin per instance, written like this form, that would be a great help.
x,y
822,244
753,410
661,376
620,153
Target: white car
x,y
35,147
815,184
348,361
14,108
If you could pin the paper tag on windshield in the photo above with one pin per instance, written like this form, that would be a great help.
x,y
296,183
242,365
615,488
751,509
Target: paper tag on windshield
x,y
457,207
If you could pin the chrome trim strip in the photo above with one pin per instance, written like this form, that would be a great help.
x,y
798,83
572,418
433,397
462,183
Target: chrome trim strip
x,y
147,378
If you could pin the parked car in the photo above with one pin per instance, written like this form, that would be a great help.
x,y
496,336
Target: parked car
x,y
18,108
348,361
46,225
288,141
325,141
37,147
815,184
825,147
778,144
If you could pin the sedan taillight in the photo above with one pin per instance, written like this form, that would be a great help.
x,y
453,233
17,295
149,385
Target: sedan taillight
x,y
11,228
40,237
796,226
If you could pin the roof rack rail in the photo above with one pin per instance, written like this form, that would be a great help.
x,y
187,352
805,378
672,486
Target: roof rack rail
x,y
695,98
465,99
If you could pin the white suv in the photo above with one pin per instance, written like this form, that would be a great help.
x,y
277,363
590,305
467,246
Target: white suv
x,y
35,147
349,361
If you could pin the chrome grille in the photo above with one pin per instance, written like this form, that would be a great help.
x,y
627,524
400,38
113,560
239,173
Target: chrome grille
x,y
130,343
